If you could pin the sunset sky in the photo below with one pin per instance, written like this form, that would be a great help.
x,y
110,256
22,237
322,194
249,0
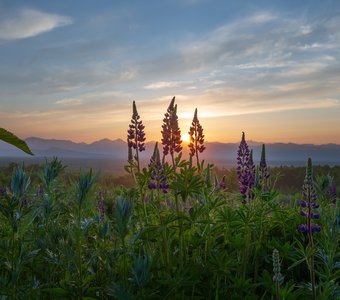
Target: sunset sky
x,y
71,69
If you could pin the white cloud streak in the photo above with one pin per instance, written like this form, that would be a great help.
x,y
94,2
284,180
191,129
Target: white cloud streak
x,y
26,23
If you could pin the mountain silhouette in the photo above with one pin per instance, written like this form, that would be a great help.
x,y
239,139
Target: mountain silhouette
x,y
223,154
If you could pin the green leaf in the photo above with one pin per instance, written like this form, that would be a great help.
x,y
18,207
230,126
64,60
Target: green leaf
x,y
13,140
57,291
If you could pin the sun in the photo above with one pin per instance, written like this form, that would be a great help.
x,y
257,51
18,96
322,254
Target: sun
x,y
185,137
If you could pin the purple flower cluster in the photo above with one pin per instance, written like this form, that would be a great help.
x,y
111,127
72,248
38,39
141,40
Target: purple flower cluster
x,y
245,170
3,191
223,183
196,137
41,190
158,178
308,204
101,204
171,134
136,135
251,174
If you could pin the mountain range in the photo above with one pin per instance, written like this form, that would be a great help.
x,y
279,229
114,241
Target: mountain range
x,y
223,154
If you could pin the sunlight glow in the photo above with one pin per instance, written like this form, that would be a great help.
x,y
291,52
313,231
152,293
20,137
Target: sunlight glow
x,y
185,137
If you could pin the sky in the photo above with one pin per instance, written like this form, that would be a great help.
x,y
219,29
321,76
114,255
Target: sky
x,y
71,69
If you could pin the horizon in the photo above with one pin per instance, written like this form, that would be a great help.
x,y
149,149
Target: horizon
x,y
183,142
70,70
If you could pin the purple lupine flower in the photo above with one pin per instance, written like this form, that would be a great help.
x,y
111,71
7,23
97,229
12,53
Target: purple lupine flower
x,y
223,183
23,202
309,204
157,176
243,172
196,144
3,191
101,204
251,174
136,135
41,190
303,203
171,134
264,175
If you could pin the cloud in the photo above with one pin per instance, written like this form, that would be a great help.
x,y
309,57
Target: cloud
x,y
162,84
69,101
27,22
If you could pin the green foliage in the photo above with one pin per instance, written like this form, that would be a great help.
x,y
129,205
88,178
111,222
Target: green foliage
x,y
195,242
13,140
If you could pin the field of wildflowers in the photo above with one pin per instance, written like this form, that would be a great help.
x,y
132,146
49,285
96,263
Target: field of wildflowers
x,y
177,234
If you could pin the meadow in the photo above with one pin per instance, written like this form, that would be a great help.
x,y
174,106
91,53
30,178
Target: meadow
x,y
180,231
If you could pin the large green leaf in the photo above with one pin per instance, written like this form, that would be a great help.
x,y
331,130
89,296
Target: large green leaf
x,y
10,138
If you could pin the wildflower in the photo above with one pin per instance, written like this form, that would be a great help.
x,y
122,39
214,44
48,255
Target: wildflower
x,y
158,178
264,175
101,204
251,175
136,136
309,204
3,191
196,138
101,207
223,183
277,278
171,134
41,190
243,172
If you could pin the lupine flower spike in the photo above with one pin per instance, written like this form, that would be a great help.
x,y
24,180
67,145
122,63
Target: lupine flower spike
x,y
251,179
101,207
136,136
309,211
223,183
308,203
264,175
243,168
196,138
277,278
171,134
158,179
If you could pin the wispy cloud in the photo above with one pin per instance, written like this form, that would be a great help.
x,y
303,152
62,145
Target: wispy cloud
x,y
162,84
69,101
27,22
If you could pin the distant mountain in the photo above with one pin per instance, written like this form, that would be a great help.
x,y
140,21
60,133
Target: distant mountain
x,y
278,153
220,153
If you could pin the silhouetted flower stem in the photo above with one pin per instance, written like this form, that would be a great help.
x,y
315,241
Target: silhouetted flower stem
x,y
136,137
171,134
196,138
264,175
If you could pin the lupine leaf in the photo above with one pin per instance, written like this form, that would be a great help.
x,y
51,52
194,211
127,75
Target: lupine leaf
x,y
13,140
